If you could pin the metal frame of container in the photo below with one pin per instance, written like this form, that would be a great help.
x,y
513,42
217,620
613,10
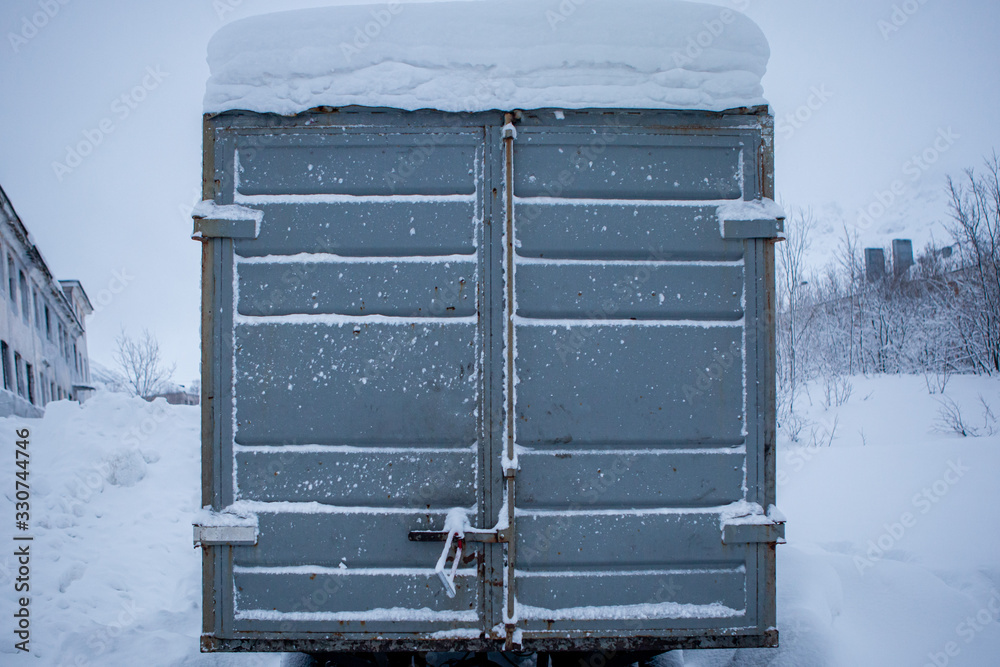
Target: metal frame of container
x,y
756,125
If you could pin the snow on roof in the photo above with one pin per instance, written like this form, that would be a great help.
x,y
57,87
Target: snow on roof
x,y
479,56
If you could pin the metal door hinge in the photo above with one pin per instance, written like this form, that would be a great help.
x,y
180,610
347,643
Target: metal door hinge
x,y
759,219
212,220
225,529
754,527
752,229
232,536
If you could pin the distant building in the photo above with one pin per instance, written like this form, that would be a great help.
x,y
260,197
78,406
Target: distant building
x,y
43,337
177,397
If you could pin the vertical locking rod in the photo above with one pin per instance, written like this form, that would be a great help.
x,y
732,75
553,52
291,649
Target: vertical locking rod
x,y
509,133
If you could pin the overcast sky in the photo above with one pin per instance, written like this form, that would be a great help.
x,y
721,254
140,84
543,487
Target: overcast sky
x,y
871,84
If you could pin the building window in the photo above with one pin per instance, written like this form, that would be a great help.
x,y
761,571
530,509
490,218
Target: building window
x,y
28,371
25,298
8,377
19,372
48,322
12,281
38,312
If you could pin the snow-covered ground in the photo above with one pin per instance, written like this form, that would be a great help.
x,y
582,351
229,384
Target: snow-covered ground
x,y
115,485
893,554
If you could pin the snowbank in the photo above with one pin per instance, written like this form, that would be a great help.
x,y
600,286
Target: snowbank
x,y
478,56
893,531
115,580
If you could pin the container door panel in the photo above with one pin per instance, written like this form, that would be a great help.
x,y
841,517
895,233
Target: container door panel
x,y
630,406
356,377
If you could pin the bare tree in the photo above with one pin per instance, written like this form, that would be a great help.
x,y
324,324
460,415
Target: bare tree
x,y
139,362
975,208
791,295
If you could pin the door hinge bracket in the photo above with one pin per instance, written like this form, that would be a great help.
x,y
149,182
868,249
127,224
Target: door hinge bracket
x,y
770,228
230,536
225,529
232,221
755,528
753,219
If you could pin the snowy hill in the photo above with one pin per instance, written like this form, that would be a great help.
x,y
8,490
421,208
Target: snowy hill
x,y
891,556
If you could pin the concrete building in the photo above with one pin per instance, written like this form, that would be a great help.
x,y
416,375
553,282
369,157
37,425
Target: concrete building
x,y
43,337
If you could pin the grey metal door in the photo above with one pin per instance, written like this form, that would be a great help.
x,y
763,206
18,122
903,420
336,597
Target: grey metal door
x,y
636,433
355,377
543,331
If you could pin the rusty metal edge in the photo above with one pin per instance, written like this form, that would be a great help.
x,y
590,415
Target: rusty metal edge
x,y
672,119
333,643
208,188
767,565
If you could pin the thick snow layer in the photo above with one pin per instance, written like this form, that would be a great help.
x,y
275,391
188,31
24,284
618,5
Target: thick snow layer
x,y
478,56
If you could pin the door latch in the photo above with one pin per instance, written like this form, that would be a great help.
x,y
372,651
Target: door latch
x,y
457,531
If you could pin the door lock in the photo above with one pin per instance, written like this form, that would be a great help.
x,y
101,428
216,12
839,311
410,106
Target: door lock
x,y
457,531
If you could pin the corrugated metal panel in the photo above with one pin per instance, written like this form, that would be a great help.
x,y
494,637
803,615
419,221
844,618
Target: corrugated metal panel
x,y
357,373
630,346
357,355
